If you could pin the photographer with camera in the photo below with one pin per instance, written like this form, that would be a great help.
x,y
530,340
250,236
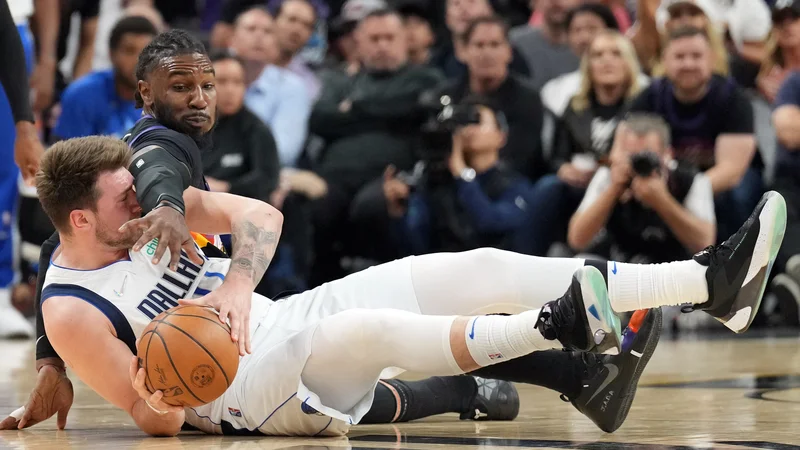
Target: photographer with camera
x,y
652,209
460,197
488,55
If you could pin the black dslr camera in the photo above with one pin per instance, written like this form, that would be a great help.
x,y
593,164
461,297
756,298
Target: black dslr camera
x,y
443,117
645,163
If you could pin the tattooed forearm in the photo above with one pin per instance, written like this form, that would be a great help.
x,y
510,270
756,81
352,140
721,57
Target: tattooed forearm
x,y
254,243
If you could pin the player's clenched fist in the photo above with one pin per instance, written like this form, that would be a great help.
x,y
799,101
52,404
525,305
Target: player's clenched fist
x,y
153,400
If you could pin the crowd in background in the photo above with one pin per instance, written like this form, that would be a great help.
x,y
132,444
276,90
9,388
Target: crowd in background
x,y
632,130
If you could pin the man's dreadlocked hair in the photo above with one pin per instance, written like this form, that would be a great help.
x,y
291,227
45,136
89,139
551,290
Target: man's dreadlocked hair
x,y
168,44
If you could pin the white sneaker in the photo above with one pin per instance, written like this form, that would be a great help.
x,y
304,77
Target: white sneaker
x,y
13,325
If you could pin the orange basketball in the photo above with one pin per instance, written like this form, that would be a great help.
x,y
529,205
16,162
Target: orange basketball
x,y
188,354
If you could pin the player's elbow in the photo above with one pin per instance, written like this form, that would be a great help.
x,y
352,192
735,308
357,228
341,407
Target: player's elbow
x,y
166,426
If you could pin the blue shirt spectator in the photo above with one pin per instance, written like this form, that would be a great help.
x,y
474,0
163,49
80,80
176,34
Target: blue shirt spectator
x,y
483,206
91,106
280,99
102,102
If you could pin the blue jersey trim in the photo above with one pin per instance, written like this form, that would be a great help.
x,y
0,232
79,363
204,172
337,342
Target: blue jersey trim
x,y
118,320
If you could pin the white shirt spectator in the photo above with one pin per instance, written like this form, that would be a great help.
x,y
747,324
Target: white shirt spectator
x,y
746,20
699,201
280,99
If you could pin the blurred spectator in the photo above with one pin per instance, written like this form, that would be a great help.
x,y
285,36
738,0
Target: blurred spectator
x,y
420,33
783,49
277,96
342,38
652,209
745,23
617,8
458,15
712,124
102,102
149,13
231,9
479,203
544,47
17,132
244,157
184,14
609,81
45,25
368,121
786,118
648,36
110,14
487,54
294,23
583,24
88,11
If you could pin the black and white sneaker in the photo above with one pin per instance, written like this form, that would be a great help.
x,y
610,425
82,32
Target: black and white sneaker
x,y
610,382
495,400
738,268
582,318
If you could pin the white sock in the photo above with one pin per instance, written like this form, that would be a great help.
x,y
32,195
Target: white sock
x,y
496,339
642,286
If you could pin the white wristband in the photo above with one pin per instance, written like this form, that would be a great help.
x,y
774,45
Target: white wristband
x,y
159,412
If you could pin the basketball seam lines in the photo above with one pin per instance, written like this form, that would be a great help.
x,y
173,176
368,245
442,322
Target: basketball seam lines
x,y
169,357
146,353
204,349
204,318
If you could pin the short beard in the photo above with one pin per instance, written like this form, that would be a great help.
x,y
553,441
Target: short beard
x,y
119,242
166,116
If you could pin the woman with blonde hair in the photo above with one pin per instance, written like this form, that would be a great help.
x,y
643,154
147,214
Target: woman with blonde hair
x,y
783,50
610,80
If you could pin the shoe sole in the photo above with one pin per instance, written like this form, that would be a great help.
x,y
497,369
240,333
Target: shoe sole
x,y
633,383
772,227
606,330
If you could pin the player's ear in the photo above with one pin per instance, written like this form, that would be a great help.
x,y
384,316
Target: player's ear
x,y
79,220
145,92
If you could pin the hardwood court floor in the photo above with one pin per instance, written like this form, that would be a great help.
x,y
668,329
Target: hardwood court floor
x,y
729,393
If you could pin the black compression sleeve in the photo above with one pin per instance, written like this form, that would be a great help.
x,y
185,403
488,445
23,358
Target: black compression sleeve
x,y
13,75
159,176
43,347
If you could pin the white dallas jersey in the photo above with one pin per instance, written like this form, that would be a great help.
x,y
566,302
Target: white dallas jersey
x,y
133,291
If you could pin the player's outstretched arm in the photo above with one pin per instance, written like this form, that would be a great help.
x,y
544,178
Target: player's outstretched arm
x,y
106,364
255,228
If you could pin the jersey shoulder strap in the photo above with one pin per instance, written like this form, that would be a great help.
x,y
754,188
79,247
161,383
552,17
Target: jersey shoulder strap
x,y
118,320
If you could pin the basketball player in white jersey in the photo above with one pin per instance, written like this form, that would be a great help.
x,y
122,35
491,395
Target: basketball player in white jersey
x,y
317,356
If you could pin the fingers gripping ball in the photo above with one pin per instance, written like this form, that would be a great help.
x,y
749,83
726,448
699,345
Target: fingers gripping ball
x,y
188,354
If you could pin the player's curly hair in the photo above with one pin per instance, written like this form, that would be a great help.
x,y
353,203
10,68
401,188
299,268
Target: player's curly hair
x,y
168,44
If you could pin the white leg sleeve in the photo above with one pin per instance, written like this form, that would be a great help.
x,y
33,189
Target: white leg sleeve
x,y
488,280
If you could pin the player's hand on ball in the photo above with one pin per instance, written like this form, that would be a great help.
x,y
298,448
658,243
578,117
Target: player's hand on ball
x,y
169,226
232,300
53,394
153,399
